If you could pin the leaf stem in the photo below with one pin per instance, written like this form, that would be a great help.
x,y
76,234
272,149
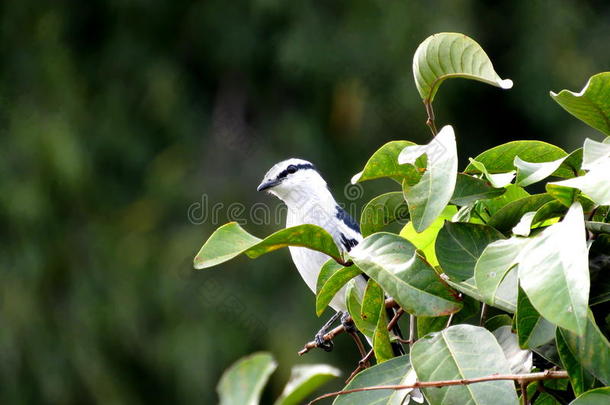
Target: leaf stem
x,y
430,119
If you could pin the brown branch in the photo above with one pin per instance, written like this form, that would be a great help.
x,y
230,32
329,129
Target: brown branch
x,y
520,378
430,119
362,364
389,303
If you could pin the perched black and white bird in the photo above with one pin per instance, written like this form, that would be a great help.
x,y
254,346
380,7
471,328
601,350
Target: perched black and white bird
x,y
301,187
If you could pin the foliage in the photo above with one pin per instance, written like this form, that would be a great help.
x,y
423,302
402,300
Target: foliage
x,y
527,255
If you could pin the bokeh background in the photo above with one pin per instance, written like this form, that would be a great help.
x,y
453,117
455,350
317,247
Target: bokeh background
x,y
129,129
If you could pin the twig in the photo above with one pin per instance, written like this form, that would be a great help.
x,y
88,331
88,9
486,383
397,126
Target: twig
x,y
358,342
483,318
524,385
521,378
430,120
389,303
362,364
412,329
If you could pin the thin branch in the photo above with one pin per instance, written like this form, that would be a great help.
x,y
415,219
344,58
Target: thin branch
x,y
364,363
359,345
389,303
412,329
430,119
484,309
520,378
524,385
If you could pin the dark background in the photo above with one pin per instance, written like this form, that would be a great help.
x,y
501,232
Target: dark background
x,y
123,123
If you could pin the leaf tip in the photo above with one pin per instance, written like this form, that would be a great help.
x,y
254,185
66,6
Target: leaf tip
x,y
505,84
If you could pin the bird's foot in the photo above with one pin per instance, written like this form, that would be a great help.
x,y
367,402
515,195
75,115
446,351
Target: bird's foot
x,y
326,345
348,324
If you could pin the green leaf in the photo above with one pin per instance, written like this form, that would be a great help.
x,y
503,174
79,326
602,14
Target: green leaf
x,y
393,263
391,372
506,295
532,329
372,301
430,196
510,215
598,396
591,105
384,163
597,227
529,173
354,307
304,380
447,55
519,360
591,349
497,179
463,352
469,189
470,314
231,240
333,285
594,153
459,245
492,269
580,378
243,382
382,211
594,184
513,193
501,158
425,240
328,269
554,271
381,338
497,321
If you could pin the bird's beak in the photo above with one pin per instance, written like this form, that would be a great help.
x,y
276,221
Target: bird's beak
x,y
267,184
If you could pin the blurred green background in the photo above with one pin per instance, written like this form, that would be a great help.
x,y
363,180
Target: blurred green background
x,y
128,129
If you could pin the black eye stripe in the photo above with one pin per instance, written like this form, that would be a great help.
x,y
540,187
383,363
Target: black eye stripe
x,y
300,166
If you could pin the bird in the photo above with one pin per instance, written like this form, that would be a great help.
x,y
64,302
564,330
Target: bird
x,y
302,188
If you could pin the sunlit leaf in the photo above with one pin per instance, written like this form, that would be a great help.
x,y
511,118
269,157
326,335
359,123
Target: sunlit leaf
x,y
500,159
243,382
492,268
554,271
432,193
594,184
304,380
459,245
463,352
384,163
594,153
529,173
490,207
591,105
469,189
580,379
510,215
382,211
496,179
447,55
231,240
332,286
393,263
519,360
328,269
391,372
425,240
532,329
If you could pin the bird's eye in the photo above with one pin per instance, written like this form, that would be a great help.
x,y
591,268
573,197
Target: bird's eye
x,y
291,169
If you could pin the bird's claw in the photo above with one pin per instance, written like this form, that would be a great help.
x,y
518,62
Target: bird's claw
x,y
348,324
326,345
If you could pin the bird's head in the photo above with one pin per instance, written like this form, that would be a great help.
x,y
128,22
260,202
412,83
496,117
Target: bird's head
x,y
290,177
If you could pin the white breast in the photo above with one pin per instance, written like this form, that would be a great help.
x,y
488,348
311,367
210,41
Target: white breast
x,y
308,262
